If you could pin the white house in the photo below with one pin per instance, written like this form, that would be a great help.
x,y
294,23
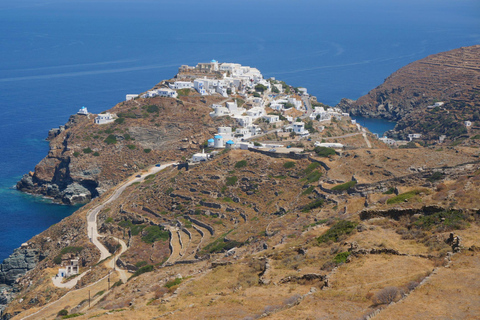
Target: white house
x,y
388,141
256,112
219,111
303,91
83,111
198,157
439,104
71,269
177,85
272,118
166,92
225,132
104,118
412,136
299,128
131,96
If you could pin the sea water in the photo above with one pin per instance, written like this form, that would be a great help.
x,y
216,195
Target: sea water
x,y
58,55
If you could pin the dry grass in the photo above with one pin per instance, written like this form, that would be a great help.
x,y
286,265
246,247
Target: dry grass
x,y
451,293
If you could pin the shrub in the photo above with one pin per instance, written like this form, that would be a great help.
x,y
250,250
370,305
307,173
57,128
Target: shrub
x,y
345,186
152,108
140,264
131,146
341,257
338,231
111,139
386,295
183,92
169,190
87,150
289,164
312,166
308,190
127,136
241,164
313,205
437,175
443,221
119,120
109,220
76,154
73,315
390,191
147,150
257,144
155,233
62,312
230,181
142,270
314,176
173,283
403,196
96,154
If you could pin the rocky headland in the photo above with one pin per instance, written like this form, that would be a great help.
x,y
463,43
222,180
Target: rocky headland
x,y
86,159
451,77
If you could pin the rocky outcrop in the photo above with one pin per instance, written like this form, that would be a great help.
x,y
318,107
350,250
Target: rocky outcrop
x,y
17,264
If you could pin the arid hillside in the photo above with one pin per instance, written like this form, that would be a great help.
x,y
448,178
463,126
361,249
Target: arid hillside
x,y
246,236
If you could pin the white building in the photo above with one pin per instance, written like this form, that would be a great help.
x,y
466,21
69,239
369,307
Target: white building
x,y
299,128
439,104
177,85
104,118
218,141
225,132
256,113
412,136
131,96
468,124
388,141
71,269
198,157
83,111
166,92
329,145
271,118
303,91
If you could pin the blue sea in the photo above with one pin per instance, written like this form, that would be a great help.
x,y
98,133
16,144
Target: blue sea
x,y
56,56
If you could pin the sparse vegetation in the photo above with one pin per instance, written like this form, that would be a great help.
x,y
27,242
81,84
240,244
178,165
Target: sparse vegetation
x,y
338,231
173,283
289,164
241,164
345,186
87,150
142,270
111,139
403,196
154,233
230,181
313,205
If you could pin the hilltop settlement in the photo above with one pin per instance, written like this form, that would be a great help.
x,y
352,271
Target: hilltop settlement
x,y
219,194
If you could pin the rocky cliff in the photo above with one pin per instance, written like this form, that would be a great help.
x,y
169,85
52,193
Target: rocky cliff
x,y
86,159
452,76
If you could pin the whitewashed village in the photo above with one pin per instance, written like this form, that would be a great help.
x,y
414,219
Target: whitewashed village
x,y
260,107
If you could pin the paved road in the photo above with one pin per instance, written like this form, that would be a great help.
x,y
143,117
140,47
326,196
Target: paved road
x,y
308,105
93,231
92,214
